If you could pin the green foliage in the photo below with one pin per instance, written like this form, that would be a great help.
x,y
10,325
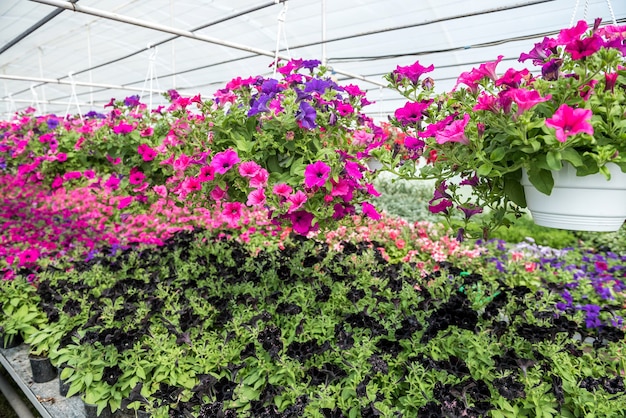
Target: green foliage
x,y
604,241
524,228
405,198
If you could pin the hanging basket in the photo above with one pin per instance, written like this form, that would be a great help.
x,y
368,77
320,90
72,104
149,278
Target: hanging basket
x,y
589,203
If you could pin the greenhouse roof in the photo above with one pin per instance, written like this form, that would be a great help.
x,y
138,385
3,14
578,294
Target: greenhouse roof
x,y
61,57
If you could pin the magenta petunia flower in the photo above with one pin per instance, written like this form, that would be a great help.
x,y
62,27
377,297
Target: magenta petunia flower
x,y
571,34
28,256
442,206
455,132
207,173
353,169
412,112
123,128
412,72
316,174
125,202
72,175
112,183
147,153
57,182
224,161
569,121
136,177
301,221
372,190
581,48
370,211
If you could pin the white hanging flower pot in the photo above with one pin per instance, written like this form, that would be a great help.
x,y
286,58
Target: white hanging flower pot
x,y
374,164
588,203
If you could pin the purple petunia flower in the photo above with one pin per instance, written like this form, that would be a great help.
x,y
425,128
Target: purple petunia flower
x,y
306,116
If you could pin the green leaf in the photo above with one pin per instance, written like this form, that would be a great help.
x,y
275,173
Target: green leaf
x,y
542,180
139,371
498,154
553,159
66,372
572,156
75,388
88,379
484,169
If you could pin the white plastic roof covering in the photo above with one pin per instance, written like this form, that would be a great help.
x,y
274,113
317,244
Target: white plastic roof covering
x,y
61,57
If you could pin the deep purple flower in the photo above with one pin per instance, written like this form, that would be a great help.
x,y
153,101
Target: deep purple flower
x,y
132,101
92,114
52,122
310,64
306,115
540,52
470,210
271,86
317,85
259,104
550,70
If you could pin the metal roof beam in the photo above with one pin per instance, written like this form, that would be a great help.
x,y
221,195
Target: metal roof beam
x,y
32,29
77,83
183,33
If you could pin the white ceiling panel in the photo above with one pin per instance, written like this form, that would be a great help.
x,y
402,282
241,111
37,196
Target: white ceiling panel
x,y
42,42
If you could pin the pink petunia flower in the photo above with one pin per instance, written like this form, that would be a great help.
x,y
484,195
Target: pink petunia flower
x,y
526,99
232,213
182,162
218,193
297,200
282,189
569,121
256,198
160,190
260,179
455,132
191,184
249,169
